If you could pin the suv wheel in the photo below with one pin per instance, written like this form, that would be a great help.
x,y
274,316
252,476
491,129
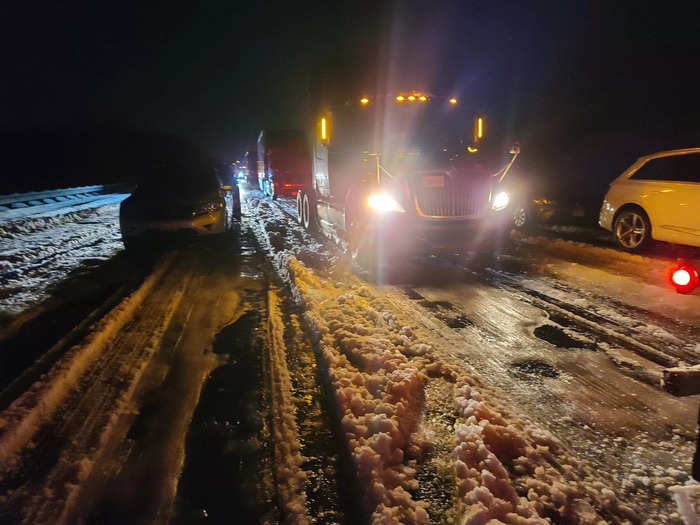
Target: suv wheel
x,y
632,229
521,218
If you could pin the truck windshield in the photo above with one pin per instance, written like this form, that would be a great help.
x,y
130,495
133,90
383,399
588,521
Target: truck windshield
x,y
423,136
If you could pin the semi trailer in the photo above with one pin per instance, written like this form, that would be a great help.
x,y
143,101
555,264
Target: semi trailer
x,y
283,162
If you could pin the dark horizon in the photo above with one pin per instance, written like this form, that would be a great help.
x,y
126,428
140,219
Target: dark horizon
x,y
584,87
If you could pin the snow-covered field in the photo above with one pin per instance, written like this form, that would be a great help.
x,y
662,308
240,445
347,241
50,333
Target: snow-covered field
x,y
41,251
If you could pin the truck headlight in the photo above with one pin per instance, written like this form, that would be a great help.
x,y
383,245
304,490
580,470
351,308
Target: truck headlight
x,y
381,202
500,201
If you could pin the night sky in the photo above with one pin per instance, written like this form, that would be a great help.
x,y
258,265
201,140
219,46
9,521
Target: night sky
x,y
585,86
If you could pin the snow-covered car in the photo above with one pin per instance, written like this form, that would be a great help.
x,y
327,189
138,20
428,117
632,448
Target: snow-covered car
x,y
656,198
174,202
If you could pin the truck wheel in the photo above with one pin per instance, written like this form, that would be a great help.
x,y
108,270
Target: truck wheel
x,y
300,196
308,215
364,254
495,244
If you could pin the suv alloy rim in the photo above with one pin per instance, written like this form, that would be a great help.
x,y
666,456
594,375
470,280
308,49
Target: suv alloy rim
x,y
630,229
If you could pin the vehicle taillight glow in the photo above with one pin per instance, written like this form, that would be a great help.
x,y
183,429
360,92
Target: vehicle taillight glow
x,y
683,276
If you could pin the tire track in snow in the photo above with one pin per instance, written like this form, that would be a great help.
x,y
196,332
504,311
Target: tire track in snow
x,y
89,384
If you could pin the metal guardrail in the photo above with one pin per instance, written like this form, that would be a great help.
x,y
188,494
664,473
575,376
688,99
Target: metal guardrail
x,y
16,205
27,198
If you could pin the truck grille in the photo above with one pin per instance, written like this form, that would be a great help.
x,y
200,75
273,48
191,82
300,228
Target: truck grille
x,y
458,198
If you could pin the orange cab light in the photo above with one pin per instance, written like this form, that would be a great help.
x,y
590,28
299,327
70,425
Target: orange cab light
x,y
423,98
400,98
480,128
364,101
411,98
453,101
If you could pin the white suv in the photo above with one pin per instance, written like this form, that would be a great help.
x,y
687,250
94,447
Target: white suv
x,y
657,197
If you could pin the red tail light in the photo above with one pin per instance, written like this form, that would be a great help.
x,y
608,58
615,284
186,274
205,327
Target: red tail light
x,y
683,276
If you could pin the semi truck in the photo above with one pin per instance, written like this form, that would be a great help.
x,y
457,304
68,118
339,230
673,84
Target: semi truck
x,y
407,174
283,162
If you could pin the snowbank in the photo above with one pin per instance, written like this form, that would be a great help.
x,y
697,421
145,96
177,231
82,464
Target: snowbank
x,y
288,459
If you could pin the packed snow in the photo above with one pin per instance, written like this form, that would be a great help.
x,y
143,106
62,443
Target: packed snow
x,y
505,469
21,420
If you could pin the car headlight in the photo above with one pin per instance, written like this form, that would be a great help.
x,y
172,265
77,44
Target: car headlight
x,y
500,201
207,208
381,202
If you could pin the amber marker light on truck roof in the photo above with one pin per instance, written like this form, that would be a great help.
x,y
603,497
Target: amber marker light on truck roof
x,y
423,98
400,98
364,101
411,98
453,101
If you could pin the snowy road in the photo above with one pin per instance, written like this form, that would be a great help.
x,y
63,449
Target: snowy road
x,y
173,403
573,337
258,377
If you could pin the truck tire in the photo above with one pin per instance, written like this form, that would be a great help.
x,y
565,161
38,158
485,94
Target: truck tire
x,y
361,247
308,209
300,196
375,267
495,244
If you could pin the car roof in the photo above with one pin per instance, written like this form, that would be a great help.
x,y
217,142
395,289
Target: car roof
x,y
669,153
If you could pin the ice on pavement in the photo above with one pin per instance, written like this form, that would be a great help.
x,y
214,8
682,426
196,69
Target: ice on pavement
x,y
637,280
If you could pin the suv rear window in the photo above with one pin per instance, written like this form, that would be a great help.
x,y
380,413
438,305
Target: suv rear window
x,y
678,168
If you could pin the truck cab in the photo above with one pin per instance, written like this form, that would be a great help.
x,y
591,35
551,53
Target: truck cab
x,y
399,179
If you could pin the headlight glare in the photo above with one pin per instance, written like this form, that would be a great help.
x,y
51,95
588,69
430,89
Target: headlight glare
x,y
500,201
382,202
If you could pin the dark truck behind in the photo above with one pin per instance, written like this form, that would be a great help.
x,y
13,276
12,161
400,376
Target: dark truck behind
x,y
404,175
283,162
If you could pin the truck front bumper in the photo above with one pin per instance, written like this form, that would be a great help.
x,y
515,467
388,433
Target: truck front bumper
x,y
404,233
